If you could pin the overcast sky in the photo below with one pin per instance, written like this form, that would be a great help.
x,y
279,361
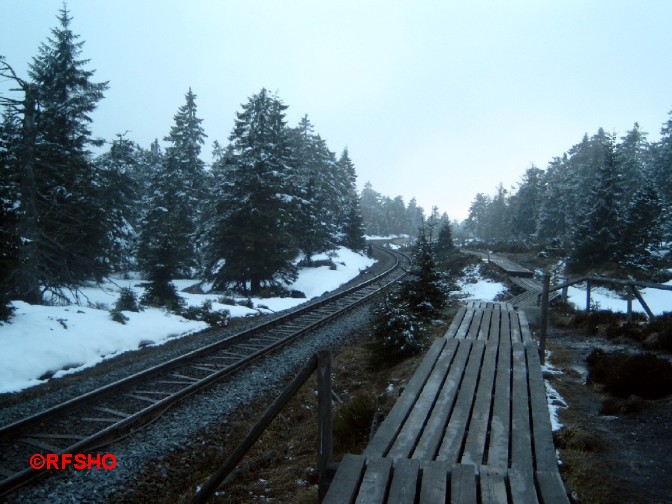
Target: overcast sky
x,y
435,99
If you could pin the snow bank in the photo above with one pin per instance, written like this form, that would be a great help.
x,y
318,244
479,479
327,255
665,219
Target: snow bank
x,y
41,341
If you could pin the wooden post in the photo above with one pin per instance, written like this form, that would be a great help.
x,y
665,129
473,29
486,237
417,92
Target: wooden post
x,y
642,302
565,290
629,299
588,296
324,423
209,488
544,316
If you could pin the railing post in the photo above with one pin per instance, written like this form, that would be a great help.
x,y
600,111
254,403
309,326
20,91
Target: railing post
x,y
629,299
587,296
324,422
544,316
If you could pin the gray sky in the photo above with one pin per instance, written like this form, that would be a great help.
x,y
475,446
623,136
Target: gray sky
x,y
434,99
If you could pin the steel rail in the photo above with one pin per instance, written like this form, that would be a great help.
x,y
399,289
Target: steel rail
x,y
352,297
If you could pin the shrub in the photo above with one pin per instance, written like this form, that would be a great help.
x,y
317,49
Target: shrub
x,y
643,375
397,333
118,316
162,293
127,301
352,422
206,314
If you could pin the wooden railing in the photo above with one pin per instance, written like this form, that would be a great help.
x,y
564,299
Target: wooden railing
x,y
631,288
320,362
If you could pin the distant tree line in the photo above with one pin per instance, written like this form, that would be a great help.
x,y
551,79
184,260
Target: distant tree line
x,y
67,216
385,216
604,202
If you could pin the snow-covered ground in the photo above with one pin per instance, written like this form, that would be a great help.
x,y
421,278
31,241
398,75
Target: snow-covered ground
x,y
483,289
658,300
58,340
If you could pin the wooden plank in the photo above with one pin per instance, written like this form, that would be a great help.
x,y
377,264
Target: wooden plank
x,y
522,488
434,486
463,484
388,430
551,488
404,481
410,432
343,488
544,449
464,326
521,443
432,434
516,334
475,324
493,331
375,481
500,424
493,485
505,326
484,330
453,439
475,446
525,332
455,323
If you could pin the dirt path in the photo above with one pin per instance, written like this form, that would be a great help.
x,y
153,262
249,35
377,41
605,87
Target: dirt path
x,y
620,458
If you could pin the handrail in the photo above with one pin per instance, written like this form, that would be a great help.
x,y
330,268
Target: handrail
x,y
320,362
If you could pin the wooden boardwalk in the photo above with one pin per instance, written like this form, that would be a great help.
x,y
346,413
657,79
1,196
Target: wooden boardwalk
x,y
472,424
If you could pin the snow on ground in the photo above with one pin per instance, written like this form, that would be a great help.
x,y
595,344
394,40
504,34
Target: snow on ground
x,y
553,397
58,340
658,300
483,289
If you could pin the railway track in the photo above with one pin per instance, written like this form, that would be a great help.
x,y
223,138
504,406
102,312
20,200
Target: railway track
x,y
98,418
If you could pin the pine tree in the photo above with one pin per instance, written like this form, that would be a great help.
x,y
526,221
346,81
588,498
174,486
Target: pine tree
x,y
597,237
423,291
350,223
251,244
315,204
642,229
444,243
527,204
120,201
176,196
61,223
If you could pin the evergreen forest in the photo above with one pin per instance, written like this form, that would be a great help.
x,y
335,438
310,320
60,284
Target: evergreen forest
x,y
605,204
74,208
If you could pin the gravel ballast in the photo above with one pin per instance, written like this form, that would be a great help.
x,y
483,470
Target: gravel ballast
x,y
183,422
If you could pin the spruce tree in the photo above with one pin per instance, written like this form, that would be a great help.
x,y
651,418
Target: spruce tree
x,y
597,237
350,223
61,219
251,244
642,229
177,193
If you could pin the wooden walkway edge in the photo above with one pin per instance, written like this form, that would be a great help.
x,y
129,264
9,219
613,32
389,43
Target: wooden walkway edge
x,y
472,424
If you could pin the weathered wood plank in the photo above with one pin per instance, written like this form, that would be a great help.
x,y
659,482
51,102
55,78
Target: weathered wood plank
x,y
522,488
387,432
495,325
408,435
434,486
500,425
345,484
464,326
521,443
525,328
404,481
544,449
484,329
432,434
463,484
451,445
375,481
474,448
505,326
456,322
493,485
551,488
474,324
